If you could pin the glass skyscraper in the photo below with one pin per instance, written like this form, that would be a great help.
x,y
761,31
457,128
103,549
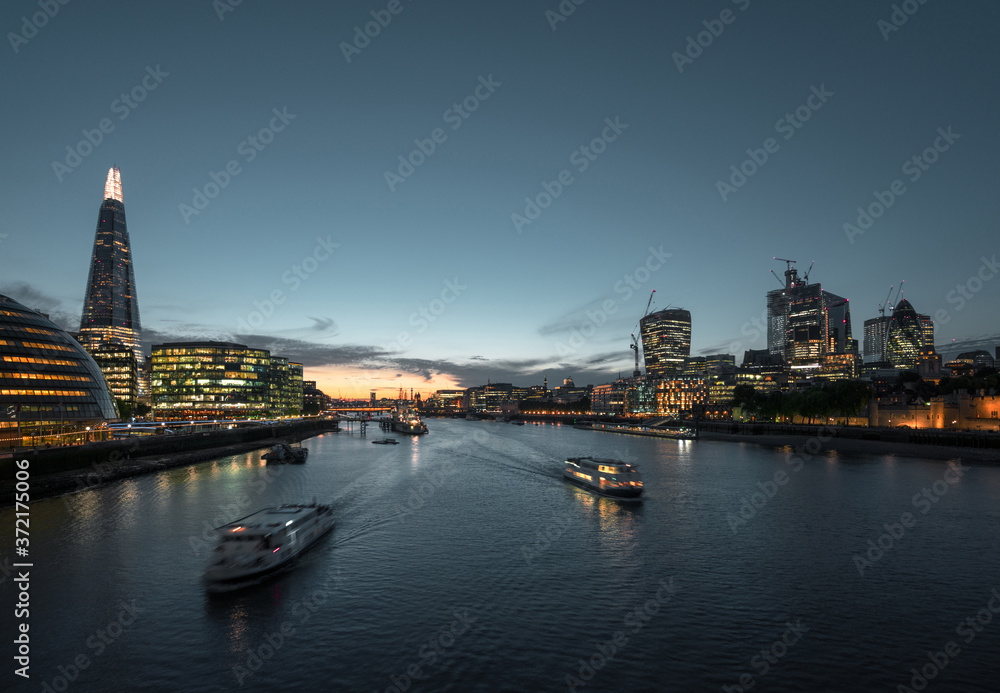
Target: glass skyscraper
x,y
110,306
666,341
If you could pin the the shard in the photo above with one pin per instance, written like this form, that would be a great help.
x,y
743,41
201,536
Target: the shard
x,y
110,306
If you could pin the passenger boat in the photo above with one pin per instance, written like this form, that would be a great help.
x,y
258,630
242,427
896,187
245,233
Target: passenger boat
x,y
264,542
283,453
406,419
611,478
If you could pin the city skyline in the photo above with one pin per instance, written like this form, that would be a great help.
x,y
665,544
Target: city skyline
x,y
393,217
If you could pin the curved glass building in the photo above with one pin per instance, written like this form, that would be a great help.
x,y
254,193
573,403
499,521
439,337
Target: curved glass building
x,y
51,389
666,341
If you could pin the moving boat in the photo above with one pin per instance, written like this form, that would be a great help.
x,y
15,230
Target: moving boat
x,y
386,441
406,419
283,453
607,477
263,542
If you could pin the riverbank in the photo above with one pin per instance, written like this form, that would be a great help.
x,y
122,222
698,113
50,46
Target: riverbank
x,y
857,445
120,464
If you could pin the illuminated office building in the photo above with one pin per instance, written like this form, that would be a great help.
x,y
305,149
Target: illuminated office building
x,y
210,380
666,341
51,389
906,331
117,363
806,325
110,306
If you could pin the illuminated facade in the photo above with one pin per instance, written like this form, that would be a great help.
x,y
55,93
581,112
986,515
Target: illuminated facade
x,y
210,380
296,393
51,389
905,336
666,341
110,305
117,363
876,332
806,325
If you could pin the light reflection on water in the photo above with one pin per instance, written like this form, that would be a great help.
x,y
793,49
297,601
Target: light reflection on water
x,y
445,525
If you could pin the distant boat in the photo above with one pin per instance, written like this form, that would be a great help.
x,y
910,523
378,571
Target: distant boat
x,y
607,477
264,542
406,419
386,441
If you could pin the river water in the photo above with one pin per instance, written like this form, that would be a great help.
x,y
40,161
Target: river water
x,y
462,562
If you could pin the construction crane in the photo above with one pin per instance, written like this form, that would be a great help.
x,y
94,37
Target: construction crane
x,y
883,306
805,277
635,341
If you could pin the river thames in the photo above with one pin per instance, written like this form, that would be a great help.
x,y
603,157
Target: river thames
x,y
461,561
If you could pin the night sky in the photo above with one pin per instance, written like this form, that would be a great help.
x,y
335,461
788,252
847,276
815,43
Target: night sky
x,y
373,188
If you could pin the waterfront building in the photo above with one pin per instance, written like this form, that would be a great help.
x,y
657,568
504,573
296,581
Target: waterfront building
x,y
677,397
611,398
314,400
666,341
210,380
295,388
117,363
110,305
279,387
51,389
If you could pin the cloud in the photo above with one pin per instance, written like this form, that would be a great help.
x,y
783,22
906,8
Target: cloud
x,y
29,296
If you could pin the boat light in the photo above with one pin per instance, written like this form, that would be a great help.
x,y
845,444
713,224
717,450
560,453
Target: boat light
x,y
237,529
276,550
289,522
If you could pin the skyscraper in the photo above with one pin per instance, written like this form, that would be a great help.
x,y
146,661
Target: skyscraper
x,y
907,331
809,327
110,307
666,341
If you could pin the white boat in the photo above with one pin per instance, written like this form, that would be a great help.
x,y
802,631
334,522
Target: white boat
x,y
264,542
607,477
406,419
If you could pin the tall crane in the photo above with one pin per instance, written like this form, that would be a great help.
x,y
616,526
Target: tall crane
x,y
635,341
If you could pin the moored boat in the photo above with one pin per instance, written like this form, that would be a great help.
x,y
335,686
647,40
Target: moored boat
x,y
264,542
406,419
283,453
607,477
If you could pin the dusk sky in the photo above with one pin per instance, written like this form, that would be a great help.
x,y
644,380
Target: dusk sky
x,y
437,272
